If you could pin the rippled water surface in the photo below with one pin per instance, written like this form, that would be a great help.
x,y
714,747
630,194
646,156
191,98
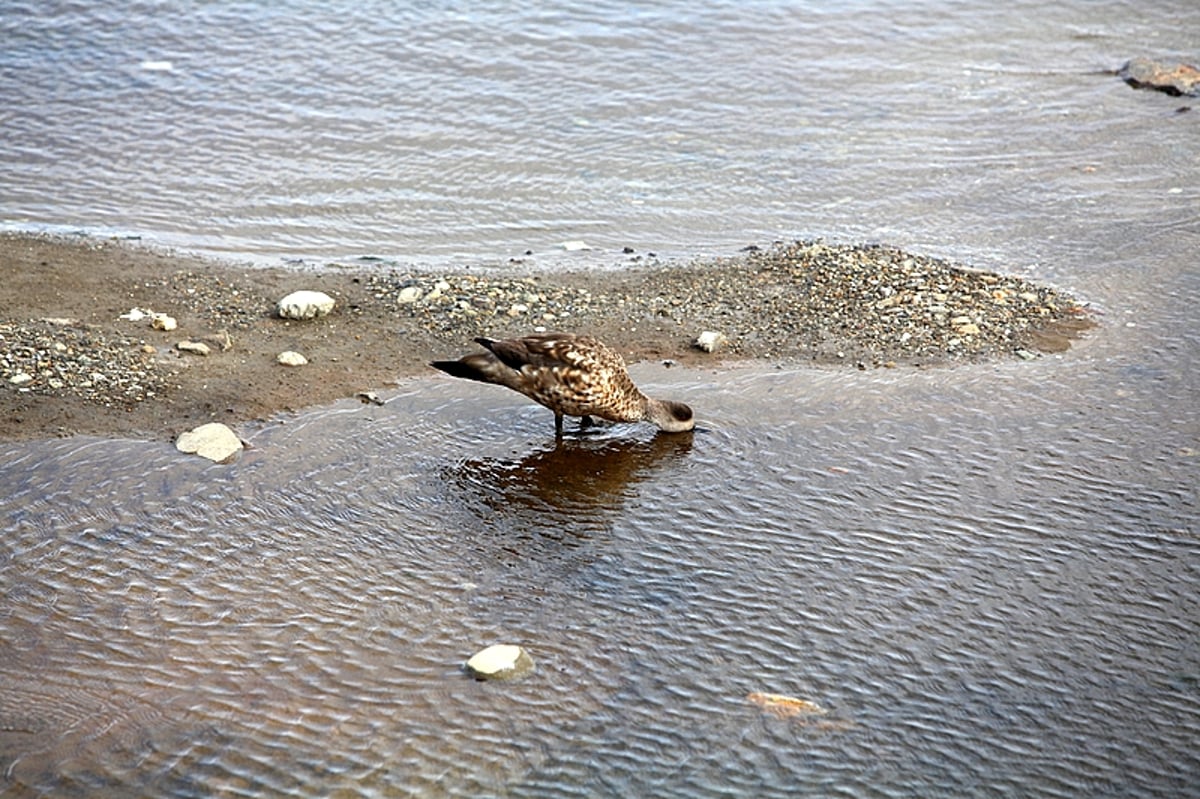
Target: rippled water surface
x,y
986,575
997,597
449,131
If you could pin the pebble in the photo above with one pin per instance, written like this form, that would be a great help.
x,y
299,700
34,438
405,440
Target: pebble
x,y
709,340
214,441
500,662
291,358
161,321
304,305
194,347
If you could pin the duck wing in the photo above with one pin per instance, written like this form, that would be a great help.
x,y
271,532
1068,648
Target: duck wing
x,y
543,351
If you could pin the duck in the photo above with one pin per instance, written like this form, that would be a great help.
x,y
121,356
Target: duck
x,y
572,375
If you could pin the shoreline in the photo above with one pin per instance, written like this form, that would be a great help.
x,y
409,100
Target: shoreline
x,y
69,364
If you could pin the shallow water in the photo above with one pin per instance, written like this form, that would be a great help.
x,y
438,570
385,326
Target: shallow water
x,y
986,574
439,132
986,588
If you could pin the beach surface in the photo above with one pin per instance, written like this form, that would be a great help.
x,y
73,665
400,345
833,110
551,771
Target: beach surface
x,y
71,364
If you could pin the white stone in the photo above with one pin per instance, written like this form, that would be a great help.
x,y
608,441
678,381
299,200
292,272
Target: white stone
x,y
408,294
194,347
709,340
500,662
575,246
304,305
135,315
291,358
160,321
214,441
21,378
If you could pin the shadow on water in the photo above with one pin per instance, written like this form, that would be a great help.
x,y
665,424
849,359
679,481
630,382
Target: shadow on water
x,y
566,492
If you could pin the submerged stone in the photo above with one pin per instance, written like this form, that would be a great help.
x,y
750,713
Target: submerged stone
x,y
500,662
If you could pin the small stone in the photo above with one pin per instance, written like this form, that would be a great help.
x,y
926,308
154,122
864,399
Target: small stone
x,y
500,662
1026,355
160,321
194,347
21,378
369,398
517,309
304,305
575,246
214,441
408,294
969,329
709,340
291,358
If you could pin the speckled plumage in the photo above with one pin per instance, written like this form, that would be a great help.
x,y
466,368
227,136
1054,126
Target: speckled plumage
x,y
571,375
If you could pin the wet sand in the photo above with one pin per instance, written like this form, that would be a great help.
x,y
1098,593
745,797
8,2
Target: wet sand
x,y
88,371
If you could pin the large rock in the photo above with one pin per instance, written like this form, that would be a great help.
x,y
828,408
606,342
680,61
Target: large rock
x,y
500,662
1174,79
304,305
214,441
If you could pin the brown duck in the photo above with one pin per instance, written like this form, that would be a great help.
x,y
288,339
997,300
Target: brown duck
x,y
572,376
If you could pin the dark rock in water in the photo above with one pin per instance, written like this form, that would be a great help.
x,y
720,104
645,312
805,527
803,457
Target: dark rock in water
x,y
1174,79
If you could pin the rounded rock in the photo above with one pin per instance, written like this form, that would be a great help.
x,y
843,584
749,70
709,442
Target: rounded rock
x,y
408,295
304,305
214,441
291,358
709,340
500,662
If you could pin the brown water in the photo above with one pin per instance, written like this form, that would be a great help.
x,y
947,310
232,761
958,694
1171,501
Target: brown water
x,y
986,575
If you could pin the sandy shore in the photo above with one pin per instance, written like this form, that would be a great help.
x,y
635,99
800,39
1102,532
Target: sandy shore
x,y
69,364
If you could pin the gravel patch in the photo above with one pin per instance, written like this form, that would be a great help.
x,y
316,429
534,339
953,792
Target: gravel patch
x,y
875,305
61,357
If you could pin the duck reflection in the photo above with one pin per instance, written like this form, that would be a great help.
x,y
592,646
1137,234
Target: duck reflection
x,y
568,490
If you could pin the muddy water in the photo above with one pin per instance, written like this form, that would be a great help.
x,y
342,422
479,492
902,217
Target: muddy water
x,y
986,575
